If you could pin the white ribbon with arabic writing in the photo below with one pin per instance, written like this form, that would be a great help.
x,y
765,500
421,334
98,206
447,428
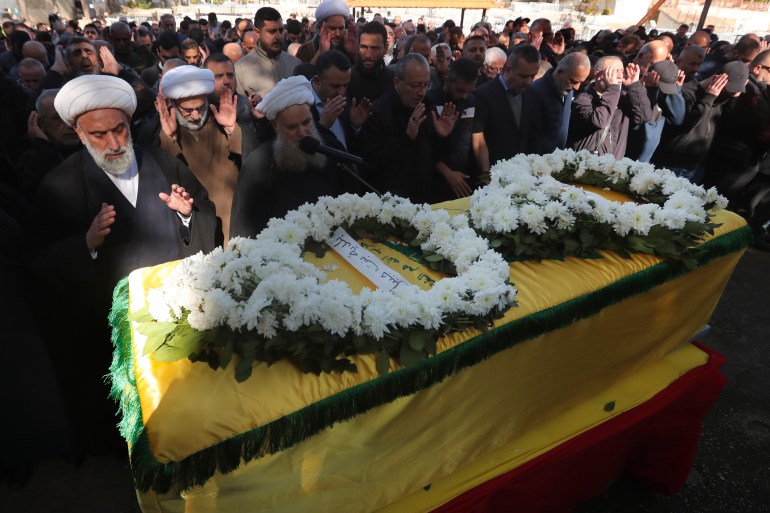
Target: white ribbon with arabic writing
x,y
363,261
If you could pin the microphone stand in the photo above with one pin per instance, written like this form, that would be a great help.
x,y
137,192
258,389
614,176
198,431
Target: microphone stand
x,y
350,169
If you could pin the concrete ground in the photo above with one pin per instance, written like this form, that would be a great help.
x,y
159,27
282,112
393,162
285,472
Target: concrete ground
x,y
731,473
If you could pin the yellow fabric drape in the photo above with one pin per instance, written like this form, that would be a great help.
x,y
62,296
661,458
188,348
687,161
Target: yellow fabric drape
x,y
475,425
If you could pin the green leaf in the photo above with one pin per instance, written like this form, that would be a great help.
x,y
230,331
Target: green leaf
x,y
383,362
141,315
243,369
156,333
409,356
418,339
170,354
609,406
226,354
187,338
433,258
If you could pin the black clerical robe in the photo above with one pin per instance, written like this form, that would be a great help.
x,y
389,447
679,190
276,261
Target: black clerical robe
x,y
76,289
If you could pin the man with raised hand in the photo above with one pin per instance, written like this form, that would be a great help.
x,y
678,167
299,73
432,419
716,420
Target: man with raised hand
x,y
208,139
336,32
109,209
279,176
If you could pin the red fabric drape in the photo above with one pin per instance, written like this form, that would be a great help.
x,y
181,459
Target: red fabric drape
x,y
655,442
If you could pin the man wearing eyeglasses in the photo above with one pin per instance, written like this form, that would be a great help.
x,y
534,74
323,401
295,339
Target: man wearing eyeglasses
x,y
259,71
208,139
397,140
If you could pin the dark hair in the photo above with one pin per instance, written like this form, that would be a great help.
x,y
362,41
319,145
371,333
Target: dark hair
x,y
19,37
527,53
331,59
225,25
305,69
463,69
131,24
293,26
475,38
168,41
375,28
456,30
216,57
669,35
184,24
146,24
448,24
265,14
196,34
190,44
212,16
44,37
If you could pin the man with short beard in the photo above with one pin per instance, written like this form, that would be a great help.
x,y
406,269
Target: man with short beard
x,y
106,211
333,17
278,176
261,69
205,137
370,78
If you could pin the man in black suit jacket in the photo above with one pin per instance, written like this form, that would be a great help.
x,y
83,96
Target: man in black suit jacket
x,y
508,114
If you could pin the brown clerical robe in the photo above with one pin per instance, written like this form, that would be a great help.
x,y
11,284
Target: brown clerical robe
x,y
207,153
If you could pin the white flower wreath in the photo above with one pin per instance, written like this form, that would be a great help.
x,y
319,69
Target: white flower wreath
x,y
261,300
528,208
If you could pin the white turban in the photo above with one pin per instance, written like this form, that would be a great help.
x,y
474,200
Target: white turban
x,y
289,91
329,8
92,92
186,82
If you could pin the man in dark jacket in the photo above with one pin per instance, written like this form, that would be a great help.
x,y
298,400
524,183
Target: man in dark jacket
x,y
557,89
370,78
397,138
602,113
508,117
684,148
456,174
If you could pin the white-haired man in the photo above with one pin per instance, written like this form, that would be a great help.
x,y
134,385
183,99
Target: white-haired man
x,y
109,209
278,176
208,139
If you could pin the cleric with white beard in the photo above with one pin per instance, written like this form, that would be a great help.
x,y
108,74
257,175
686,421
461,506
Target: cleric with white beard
x,y
278,177
107,210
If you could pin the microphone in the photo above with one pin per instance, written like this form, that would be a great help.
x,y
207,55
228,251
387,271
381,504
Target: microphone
x,y
311,146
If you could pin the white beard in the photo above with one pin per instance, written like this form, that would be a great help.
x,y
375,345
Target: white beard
x,y
193,126
291,159
116,166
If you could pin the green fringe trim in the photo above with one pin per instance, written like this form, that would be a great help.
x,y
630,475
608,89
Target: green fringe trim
x,y
291,429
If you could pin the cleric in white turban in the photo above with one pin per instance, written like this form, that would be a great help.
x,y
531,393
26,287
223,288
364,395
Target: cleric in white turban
x,y
186,82
329,8
289,91
280,175
93,92
332,18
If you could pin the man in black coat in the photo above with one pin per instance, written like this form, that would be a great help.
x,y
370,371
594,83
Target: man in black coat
x,y
508,114
107,210
278,176
397,140
370,78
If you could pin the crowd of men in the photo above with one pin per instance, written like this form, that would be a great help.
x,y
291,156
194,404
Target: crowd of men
x,y
133,144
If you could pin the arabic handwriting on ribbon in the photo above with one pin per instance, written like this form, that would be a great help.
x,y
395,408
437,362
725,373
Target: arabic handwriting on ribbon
x,y
341,240
393,279
408,268
353,251
371,247
391,260
369,263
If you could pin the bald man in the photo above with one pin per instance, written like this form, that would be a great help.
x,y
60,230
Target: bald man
x,y
234,51
120,37
35,50
249,41
31,72
689,60
700,38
